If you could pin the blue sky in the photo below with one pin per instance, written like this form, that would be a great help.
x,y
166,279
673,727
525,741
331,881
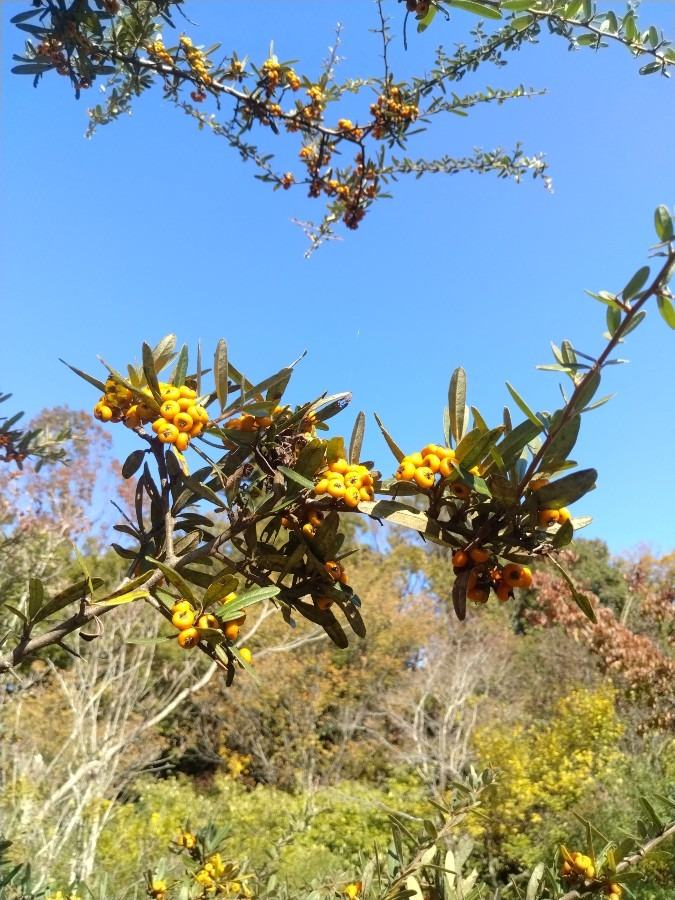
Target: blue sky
x,y
153,227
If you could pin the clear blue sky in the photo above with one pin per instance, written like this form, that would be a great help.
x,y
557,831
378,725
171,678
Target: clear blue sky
x,y
153,227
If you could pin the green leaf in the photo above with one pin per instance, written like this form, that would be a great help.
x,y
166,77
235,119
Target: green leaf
x,y
535,881
564,535
514,442
297,477
663,223
478,9
524,408
566,490
220,372
36,597
656,820
457,404
202,490
356,441
150,372
180,369
176,579
476,445
224,584
516,5
634,322
129,597
560,446
249,597
77,591
424,23
581,600
666,309
151,640
586,390
130,585
637,282
163,353
132,463
613,320
605,297
90,378
393,446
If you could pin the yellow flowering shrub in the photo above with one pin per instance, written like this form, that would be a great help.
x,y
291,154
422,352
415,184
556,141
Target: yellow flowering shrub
x,y
546,769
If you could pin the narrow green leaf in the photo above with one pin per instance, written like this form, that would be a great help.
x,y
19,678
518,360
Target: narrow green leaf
x,y
564,535
586,390
249,597
202,490
296,477
356,441
130,585
151,640
522,405
132,463
667,310
514,442
77,591
424,23
637,282
393,446
90,378
457,404
311,459
36,597
163,353
176,579
16,612
663,223
478,9
580,599
613,320
604,297
656,820
560,446
220,372
224,584
476,445
129,597
179,373
535,881
566,490
150,372
634,322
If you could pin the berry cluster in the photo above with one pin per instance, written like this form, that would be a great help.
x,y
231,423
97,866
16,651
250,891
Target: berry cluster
x,y
178,419
485,575
158,52
578,868
350,483
391,114
247,422
313,517
274,74
432,460
198,63
337,572
190,623
548,517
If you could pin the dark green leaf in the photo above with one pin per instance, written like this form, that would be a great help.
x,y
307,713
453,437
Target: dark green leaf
x,y
478,9
522,405
459,590
613,320
357,438
297,477
150,373
586,390
77,591
636,283
180,369
580,599
564,535
220,372
560,446
566,490
514,442
393,446
476,445
634,322
132,463
36,597
163,353
457,404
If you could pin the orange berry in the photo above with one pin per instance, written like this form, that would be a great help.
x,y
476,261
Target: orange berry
x,y
479,555
334,569
181,604
158,424
564,515
352,496
231,630
477,595
183,421
168,433
187,392
182,441
315,517
367,492
548,517
424,477
433,462
323,603
309,530
207,621
415,458
188,638
444,453
503,591
321,486
352,479
460,559
339,466
102,412
196,429
169,392
446,467
245,654
460,490
183,618
405,472
169,409
336,488
538,483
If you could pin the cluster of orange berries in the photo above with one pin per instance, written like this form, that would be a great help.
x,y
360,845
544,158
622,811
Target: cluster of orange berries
x,y
158,51
433,460
158,888
484,577
313,517
350,483
273,74
198,63
348,127
579,867
190,623
337,572
390,113
177,420
247,422
548,517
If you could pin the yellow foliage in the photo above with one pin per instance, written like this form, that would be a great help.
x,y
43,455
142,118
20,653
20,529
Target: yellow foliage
x,y
545,768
